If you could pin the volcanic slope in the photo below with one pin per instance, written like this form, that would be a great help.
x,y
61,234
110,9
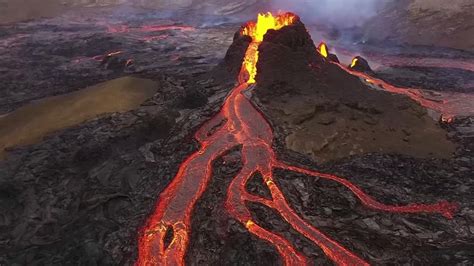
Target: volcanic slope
x,y
326,113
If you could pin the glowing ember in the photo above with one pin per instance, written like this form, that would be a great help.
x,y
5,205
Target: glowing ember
x,y
245,126
323,49
110,54
447,119
114,53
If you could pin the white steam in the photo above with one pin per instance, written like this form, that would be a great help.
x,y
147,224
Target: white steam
x,y
340,13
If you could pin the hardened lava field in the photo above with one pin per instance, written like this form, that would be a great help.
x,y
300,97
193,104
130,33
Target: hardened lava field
x,y
158,139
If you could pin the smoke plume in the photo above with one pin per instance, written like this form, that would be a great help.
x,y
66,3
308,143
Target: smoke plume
x,y
339,13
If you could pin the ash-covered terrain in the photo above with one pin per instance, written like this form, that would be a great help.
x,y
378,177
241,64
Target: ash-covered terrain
x,y
81,192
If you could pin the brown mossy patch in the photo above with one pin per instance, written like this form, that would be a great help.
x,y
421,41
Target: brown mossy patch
x,y
30,123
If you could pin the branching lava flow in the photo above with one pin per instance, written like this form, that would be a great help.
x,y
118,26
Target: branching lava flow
x,y
240,123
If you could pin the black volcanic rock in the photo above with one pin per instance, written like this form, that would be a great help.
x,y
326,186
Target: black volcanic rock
x,y
321,110
236,53
360,64
285,52
333,58
293,36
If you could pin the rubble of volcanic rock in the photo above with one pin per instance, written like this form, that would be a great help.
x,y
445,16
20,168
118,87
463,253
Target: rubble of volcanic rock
x,y
327,113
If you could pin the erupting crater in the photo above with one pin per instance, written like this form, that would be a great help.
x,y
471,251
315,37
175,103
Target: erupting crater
x,y
165,237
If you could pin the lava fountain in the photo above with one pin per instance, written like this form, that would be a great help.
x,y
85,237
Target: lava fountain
x,y
239,123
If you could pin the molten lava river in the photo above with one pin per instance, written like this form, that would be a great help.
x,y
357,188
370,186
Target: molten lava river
x,y
240,123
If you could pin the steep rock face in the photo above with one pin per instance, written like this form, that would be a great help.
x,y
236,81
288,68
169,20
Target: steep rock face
x,y
235,54
325,112
286,54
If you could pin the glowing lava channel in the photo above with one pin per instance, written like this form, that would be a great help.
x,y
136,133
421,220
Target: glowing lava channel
x,y
447,108
257,30
240,123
